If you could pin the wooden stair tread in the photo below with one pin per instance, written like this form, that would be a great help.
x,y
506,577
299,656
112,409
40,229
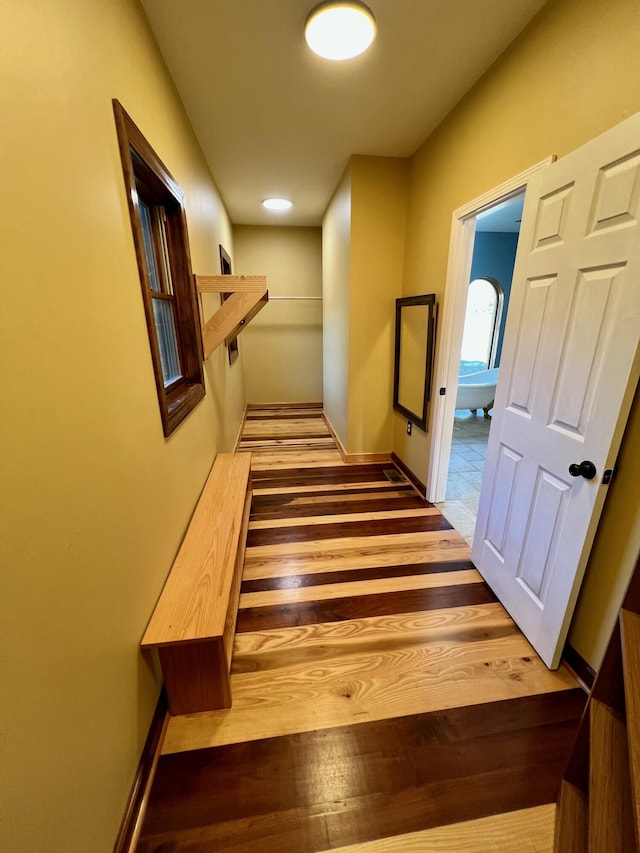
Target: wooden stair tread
x,y
611,822
630,635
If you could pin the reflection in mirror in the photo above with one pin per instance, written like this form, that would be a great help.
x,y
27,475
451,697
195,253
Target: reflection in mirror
x,y
414,320
415,325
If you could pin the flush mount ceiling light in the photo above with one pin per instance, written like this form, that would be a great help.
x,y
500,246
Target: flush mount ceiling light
x,y
277,203
339,31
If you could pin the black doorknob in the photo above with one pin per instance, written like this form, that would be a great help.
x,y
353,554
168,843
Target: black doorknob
x,y
585,469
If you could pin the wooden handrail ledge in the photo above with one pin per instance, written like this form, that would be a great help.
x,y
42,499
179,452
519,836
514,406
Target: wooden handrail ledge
x,y
193,623
246,295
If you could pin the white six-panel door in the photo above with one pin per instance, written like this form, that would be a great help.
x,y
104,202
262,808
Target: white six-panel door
x,y
568,371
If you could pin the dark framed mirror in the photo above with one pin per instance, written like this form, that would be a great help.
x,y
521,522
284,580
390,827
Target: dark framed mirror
x,y
415,338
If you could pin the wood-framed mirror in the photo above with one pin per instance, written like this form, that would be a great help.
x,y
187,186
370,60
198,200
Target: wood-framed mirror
x,y
415,337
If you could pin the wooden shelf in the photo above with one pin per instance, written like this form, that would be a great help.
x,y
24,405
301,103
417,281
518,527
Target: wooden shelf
x,y
246,295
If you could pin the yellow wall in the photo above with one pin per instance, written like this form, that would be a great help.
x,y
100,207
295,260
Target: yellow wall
x,y
94,499
282,346
336,265
363,252
572,74
614,554
378,218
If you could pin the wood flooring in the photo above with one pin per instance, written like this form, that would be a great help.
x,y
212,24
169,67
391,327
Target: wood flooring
x,y
383,700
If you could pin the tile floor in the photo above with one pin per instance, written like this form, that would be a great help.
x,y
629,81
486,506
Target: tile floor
x,y
466,465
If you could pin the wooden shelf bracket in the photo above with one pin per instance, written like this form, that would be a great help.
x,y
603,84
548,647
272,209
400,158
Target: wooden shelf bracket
x,y
246,295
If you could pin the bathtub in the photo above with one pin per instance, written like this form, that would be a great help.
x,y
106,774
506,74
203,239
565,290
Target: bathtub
x,y
477,390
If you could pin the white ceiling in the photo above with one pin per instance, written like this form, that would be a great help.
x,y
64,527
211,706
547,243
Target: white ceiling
x,y
274,119
503,217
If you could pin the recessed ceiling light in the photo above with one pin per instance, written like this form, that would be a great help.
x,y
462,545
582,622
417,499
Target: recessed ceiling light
x,y
337,31
277,203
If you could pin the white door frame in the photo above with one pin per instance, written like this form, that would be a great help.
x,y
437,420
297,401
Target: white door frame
x,y
463,228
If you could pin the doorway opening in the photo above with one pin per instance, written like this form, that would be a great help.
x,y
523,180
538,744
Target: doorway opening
x,y
475,216
497,229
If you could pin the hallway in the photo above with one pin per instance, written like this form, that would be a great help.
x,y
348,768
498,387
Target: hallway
x,y
383,699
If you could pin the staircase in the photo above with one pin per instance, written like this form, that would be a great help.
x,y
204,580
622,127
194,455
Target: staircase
x,y
599,802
